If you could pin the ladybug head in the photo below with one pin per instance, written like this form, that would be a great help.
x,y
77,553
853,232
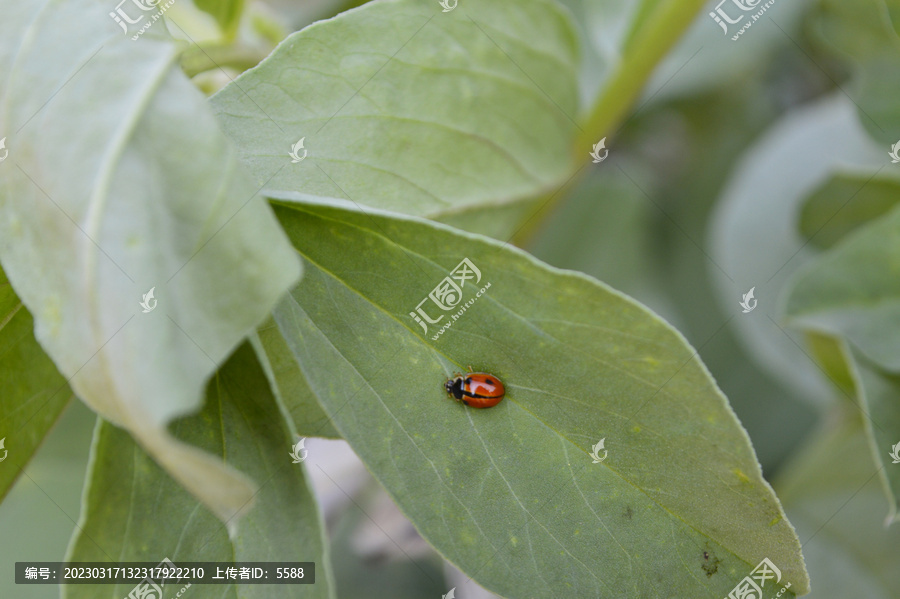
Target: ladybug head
x,y
454,387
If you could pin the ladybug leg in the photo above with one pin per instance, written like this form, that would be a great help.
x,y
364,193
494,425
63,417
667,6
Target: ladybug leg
x,y
470,368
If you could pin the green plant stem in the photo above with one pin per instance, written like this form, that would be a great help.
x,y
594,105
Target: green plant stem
x,y
201,59
650,45
658,35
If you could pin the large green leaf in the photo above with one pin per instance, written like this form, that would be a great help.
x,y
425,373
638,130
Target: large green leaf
x,y
99,206
133,511
406,108
831,493
844,202
853,290
511,494
33,392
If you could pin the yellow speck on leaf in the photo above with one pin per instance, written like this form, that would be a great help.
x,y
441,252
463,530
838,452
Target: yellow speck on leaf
x,y
740,474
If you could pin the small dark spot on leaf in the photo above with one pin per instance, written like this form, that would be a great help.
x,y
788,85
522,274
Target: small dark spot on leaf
x,y
710,564
628,513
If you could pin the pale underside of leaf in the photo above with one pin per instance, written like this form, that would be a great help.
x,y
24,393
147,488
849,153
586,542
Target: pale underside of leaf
x,y
99,206
510,494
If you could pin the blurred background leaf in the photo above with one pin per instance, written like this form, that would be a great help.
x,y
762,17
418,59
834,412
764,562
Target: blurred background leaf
x,y
863,31
828,215
39,515
833,497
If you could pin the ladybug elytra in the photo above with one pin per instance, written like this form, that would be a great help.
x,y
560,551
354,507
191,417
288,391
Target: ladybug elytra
x,y
476,389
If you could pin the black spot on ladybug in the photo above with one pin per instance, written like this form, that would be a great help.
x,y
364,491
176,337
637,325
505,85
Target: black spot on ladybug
x,y
465,402
489,382
468,381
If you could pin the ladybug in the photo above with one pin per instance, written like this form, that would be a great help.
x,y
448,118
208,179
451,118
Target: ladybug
x,y
476,389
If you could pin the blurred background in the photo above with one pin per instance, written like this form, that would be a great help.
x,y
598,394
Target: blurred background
x,y
697,203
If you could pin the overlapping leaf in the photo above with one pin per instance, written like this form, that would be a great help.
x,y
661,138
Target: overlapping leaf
x,y
510,494
851,291
134,511
404,107
99,207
